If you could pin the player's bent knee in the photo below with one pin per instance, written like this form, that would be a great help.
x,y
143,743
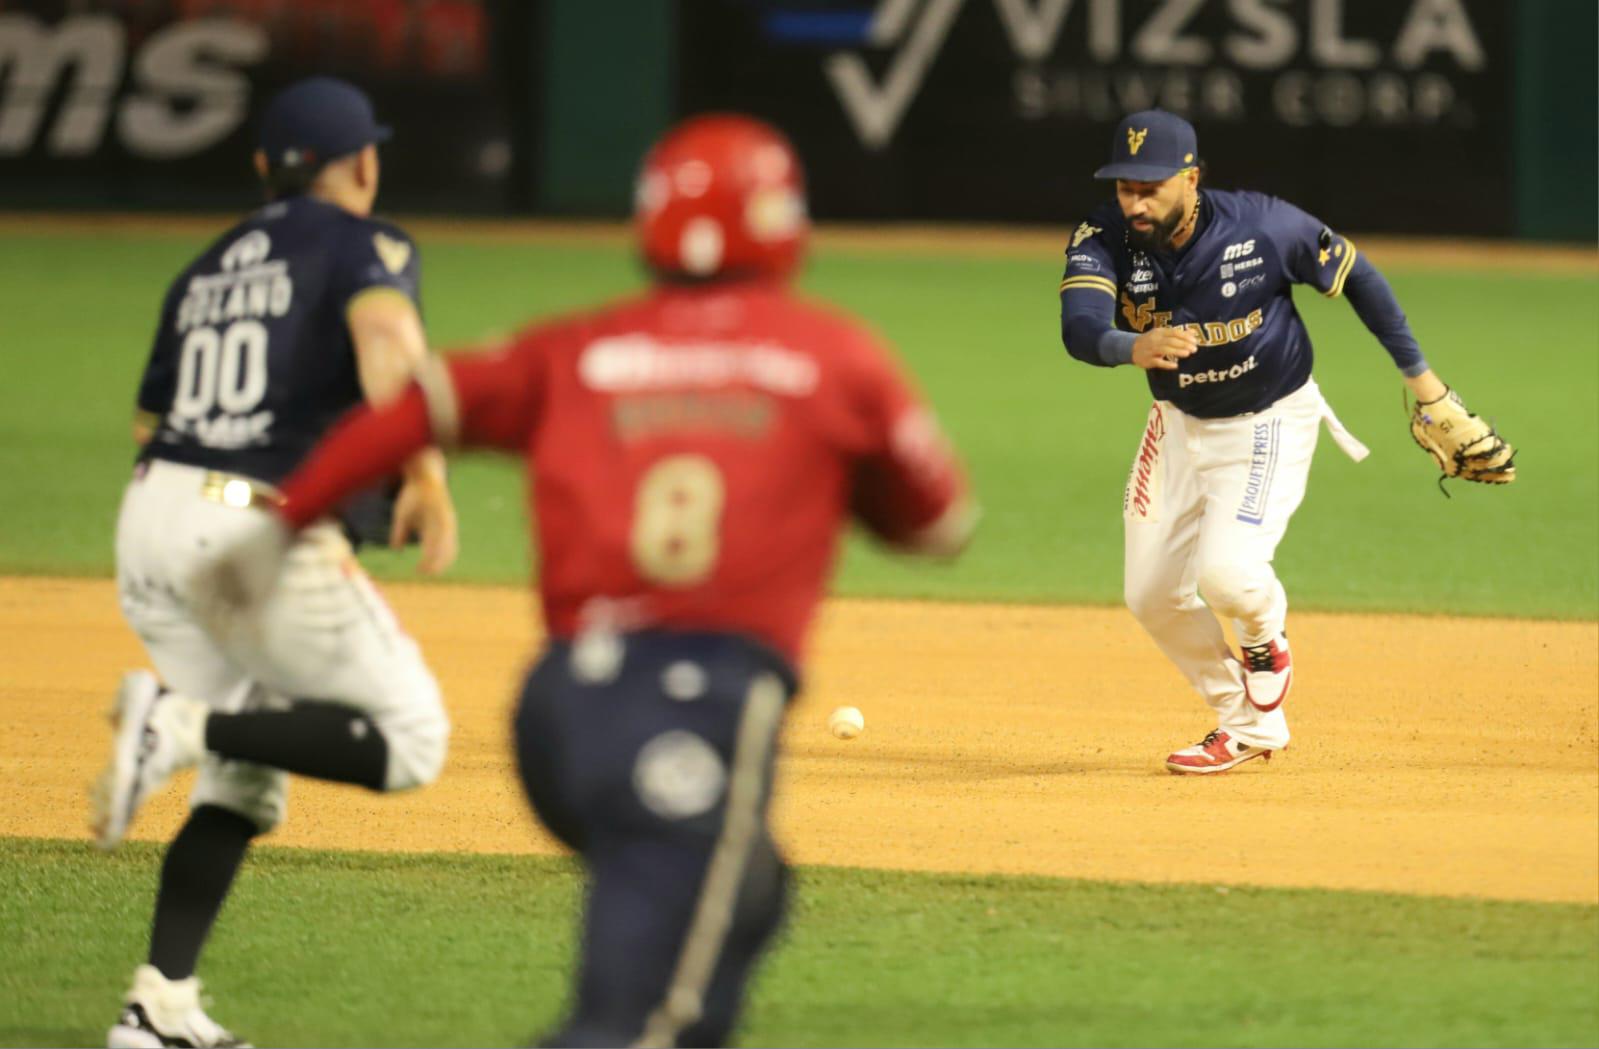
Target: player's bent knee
x,y
417,748
416,755
1236,590
415,729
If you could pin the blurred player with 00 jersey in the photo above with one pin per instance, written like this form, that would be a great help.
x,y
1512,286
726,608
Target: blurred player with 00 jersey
x,y
291,318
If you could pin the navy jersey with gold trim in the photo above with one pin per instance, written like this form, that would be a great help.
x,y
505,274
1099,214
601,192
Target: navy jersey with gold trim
x,y
253,360
1231,285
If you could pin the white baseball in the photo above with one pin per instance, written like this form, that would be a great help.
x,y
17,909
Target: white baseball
x,y
846,722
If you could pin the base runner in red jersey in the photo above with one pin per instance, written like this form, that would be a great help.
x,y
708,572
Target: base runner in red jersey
x,y
693,455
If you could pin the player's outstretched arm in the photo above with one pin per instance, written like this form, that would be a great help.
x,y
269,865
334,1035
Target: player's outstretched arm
x,y
361,449
390,347
1426,387
1462,443
909,489
1374,302
423,508
473,400
1088,304
1089,333
390,344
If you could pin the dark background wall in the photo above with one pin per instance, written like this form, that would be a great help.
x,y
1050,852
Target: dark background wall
x,y
152,103
1418,116
1001,110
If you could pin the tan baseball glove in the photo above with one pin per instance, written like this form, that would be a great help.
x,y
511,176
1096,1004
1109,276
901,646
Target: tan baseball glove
x,y
1462,442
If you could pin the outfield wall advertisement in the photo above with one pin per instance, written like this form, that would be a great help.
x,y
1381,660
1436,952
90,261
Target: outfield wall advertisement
x,y
153,103
1391,115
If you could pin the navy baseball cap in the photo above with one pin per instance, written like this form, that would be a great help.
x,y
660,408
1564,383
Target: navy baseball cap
x,y
317,120
1151,146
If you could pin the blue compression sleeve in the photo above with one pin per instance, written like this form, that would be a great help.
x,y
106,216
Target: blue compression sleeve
x,y
1368,292
1087,331
1116,347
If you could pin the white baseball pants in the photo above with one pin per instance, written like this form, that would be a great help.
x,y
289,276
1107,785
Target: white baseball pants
x,y
1206,504
324,633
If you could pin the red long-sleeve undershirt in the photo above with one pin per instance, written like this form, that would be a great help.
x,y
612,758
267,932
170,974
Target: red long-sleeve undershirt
x,y
361,450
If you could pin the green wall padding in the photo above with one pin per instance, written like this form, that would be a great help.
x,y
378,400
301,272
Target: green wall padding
x,y
608,93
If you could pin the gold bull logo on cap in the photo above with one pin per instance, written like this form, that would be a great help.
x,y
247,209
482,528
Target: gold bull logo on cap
x,y
1135,140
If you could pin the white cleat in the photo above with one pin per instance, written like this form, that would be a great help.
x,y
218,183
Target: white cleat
x,y
159,1013
156,733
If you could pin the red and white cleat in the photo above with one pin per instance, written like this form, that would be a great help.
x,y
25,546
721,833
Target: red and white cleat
x,y
1268,673
1217,752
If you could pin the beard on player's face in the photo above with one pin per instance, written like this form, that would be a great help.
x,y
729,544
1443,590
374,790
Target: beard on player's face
x,y
1157,234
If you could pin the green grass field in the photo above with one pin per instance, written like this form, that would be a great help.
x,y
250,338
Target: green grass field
x,y
346,948
363,949
1049,440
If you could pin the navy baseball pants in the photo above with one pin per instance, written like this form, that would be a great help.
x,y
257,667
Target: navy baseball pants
x,y
651,754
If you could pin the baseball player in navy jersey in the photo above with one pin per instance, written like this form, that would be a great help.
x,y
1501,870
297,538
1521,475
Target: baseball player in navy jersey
x,y
1193,286
301,312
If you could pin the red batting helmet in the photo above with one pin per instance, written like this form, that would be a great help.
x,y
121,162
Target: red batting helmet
x,y
722,196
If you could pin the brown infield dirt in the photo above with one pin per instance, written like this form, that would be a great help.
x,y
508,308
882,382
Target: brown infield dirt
x,y
1453,757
